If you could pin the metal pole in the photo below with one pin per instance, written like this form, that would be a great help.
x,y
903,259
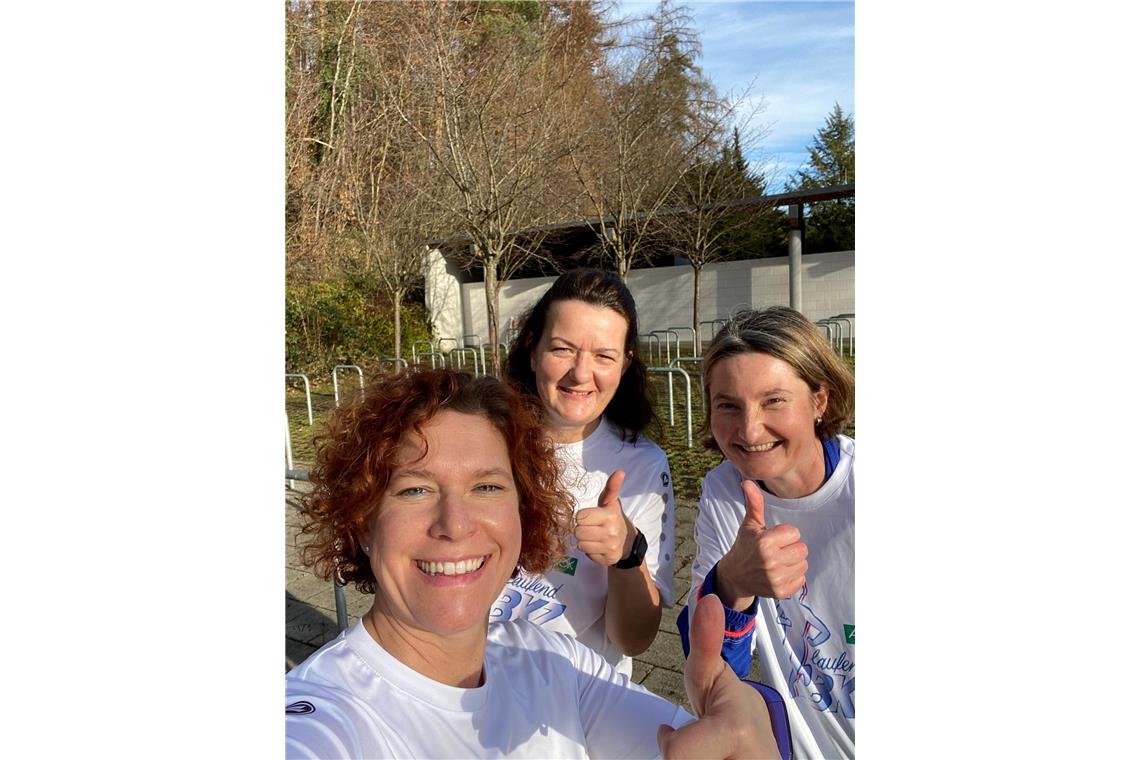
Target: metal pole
x,y
795,256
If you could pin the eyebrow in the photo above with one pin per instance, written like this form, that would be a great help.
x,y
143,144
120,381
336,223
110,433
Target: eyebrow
x,y
572,344
769,392
428,475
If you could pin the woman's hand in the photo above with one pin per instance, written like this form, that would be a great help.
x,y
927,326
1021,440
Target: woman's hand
x,y
604,533
732,718
763,561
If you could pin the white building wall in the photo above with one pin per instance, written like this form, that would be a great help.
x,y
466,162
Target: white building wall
x,y
442,295
664,294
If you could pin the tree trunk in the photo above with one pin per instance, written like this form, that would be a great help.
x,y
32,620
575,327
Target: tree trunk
x,y
491,293
397,298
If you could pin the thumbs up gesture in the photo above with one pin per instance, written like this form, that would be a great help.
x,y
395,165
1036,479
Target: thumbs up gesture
x,y
763,561
732,719
604,533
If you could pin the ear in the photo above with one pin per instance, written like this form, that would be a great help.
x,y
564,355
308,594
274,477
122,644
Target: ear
x,y
819,401
628,357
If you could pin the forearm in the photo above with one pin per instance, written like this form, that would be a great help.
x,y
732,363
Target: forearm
x,y
633,609
728,589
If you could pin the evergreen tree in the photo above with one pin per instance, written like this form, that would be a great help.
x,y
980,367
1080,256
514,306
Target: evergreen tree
x,y
830,225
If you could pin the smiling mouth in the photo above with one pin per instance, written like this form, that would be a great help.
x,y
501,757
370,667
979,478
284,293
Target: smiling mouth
x,y
461,567
576,394
760,447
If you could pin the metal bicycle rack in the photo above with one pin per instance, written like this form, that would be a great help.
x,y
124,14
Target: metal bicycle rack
x,y
850,319
837,344
396,362
459,361
416,348
289,454
676,338
826,325
691,332
308,392
336,390
485,348
434,355
700,371
688,397
650,341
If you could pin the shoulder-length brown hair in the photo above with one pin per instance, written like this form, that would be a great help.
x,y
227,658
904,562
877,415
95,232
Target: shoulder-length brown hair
x,y
788,335
356,456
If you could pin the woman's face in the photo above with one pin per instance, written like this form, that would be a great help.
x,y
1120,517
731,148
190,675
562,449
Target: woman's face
x,y
447,534
763,419
577,365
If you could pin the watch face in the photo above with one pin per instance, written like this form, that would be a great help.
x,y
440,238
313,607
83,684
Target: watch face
x,y
636,553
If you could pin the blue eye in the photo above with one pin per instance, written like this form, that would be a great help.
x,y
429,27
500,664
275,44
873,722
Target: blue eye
x,y
489,488
412,492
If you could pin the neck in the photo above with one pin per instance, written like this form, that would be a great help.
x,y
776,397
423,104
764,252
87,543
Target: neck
x,y
572,434
455,660
801,481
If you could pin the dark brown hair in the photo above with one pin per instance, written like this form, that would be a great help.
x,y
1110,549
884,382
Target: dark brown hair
x,y
357,454
631,408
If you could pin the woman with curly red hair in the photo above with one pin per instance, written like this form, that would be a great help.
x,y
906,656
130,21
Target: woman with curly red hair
x,y
430,490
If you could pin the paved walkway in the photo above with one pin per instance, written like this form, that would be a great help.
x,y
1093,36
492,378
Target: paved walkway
x,y
310,608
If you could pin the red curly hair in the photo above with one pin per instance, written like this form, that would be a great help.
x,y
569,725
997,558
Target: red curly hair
x,y
356,456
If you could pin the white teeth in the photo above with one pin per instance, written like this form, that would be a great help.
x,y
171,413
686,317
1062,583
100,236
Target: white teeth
x,y
760,447
461,567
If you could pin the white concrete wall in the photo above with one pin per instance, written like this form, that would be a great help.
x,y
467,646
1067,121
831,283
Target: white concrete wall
x,y
664,294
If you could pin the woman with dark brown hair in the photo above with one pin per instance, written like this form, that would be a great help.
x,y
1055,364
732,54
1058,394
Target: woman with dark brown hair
x,y
430,490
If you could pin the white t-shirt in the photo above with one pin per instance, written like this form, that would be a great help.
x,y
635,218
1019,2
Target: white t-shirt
x,y
571,597
543,695
805,644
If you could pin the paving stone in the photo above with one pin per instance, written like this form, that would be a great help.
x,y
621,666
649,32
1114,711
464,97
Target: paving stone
x,y
296,652
311,627
668,685
665,652
640,671
310,586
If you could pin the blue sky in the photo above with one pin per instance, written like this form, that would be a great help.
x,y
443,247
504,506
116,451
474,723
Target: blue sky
x,y
801,54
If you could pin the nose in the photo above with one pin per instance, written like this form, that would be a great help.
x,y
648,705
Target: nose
x,y
582,369
752,424
452,518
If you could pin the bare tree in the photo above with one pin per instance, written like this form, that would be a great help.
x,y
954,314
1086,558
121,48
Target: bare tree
x,y
494,124
650,117
707,203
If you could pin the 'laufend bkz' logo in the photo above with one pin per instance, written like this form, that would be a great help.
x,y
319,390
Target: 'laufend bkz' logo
x,y
849,633
568,565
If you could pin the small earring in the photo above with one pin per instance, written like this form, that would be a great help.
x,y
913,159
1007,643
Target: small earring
x,y
818,420
365,549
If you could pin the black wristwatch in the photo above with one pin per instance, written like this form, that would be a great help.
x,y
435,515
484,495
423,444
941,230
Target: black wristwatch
x,y
636,554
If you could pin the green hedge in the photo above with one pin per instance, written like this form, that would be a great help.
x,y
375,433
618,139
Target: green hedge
x,y
345,321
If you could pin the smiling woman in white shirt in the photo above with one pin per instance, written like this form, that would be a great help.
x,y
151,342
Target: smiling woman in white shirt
x,y
777,397
577,354
430,491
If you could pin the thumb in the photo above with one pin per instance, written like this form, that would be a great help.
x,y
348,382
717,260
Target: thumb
x,y
609,495
753,503
704,664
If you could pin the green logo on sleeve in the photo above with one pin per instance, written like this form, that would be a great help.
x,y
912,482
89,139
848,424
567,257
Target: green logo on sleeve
x,y
568,565
849,633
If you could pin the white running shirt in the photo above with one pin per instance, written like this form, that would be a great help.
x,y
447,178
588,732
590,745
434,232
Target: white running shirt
x,y
571,597
543,695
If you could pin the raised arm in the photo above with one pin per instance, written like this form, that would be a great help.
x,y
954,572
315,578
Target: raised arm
x,y
606,535
733,719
